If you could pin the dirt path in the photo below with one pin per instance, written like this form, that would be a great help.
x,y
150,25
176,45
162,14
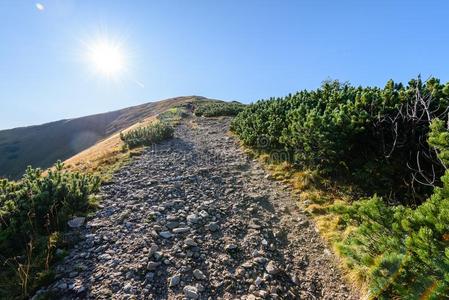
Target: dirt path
x,y
194,217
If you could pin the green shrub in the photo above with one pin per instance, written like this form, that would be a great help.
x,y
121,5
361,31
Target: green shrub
x,y
403,252
173,114
33,211
374,137
219,109
148,135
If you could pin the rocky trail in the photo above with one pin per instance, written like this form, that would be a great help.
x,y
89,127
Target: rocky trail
x,y
194,217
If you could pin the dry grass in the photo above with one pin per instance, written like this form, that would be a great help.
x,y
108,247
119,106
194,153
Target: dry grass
x,y
105,157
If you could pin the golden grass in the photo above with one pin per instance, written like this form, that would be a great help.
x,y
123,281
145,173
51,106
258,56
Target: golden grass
x,y
107,156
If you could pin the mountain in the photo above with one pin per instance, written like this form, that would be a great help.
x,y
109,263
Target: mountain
x,y
42,145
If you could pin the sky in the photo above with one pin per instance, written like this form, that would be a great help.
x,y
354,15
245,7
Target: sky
x,y
223,49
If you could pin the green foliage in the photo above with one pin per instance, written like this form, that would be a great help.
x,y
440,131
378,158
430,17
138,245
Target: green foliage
x,y
173,114
219,109
33,211
439,139
370,136
148,135
403,252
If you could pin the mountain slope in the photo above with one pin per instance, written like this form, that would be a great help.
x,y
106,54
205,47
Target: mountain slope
x,y
42,145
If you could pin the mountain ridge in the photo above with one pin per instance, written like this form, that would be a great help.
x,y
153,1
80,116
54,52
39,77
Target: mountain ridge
x,y
42,145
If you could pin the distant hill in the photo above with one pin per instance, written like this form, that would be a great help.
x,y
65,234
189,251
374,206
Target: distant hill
x,y
42,145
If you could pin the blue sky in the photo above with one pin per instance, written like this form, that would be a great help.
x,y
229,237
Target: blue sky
x,y
231,50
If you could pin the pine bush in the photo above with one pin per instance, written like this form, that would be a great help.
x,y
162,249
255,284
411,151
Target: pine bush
x,y
219,109
148,135
33,211
376,138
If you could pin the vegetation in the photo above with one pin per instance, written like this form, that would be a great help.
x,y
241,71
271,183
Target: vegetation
x,y
216,109
148,135
174,114
394,243
375,137
33,213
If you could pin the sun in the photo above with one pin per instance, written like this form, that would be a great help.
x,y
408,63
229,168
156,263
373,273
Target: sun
x,y
106,57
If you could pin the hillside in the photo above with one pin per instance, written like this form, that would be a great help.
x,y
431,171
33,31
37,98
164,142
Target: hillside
x,y
42,145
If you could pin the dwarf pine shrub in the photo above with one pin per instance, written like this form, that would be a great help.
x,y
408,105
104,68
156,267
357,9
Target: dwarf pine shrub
x,y
219,109
374,137
147,135
402,252
33,211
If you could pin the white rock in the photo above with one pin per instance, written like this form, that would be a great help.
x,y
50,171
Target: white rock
x,y
76,222
190,242
198,274
191,292
181,230
192,219
271,268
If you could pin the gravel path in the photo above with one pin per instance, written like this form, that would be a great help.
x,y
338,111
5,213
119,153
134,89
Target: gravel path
x,y
195,218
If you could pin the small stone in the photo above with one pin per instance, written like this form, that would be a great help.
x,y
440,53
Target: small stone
x,y
192,219
157,255
191,292
181,230
271,268
104,257
295,279
190,242
198,274
200,287
152,265
213,226
172,224
153,249
127,288
174,280
230,247
76,222
166,234
258,281
204,214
